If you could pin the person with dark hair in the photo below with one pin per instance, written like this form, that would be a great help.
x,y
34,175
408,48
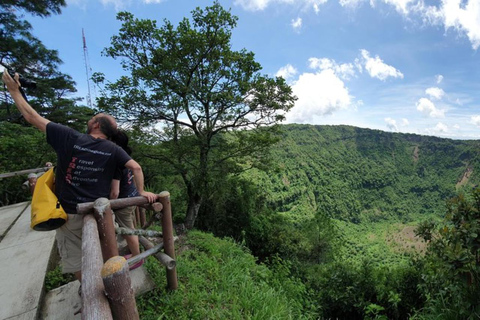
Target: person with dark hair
x,y
86,164
123,186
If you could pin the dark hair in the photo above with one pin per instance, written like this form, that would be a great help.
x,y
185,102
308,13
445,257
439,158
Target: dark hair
x,y
107,127
121,139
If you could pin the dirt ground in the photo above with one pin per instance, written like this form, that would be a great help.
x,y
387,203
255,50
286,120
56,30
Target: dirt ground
x,y
405,240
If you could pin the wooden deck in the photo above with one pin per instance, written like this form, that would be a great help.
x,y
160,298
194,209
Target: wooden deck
x,y
26,255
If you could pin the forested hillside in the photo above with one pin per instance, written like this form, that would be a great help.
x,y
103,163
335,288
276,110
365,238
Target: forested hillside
x,y
329,212
362,175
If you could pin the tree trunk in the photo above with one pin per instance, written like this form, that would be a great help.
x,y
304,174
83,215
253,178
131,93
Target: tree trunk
x,y
194,202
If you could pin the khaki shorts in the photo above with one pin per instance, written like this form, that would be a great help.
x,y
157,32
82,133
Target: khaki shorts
x,y
124,217
69,242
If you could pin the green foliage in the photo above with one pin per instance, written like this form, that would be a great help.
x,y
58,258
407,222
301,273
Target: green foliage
x,y
20,148
451,279
363,175
23,147
55,278
25,54
220,280
362,291
211,100
40,7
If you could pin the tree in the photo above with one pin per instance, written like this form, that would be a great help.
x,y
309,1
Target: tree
x,y
25,54
215,108
453,256
22,147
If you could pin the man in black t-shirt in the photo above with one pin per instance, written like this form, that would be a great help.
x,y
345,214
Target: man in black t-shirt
x,y
86,164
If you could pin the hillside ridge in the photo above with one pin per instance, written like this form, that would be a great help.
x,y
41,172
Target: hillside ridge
x,y
354,173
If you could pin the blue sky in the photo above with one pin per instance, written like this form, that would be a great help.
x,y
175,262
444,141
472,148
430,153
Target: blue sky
x,y
409,66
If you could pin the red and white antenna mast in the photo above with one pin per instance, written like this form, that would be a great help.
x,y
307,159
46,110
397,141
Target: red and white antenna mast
x,y
88,69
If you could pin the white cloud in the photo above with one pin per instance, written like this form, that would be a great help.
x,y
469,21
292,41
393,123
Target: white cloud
x,y
438,130
441,128
252,5
463,16
315,4
428,108
118,4
391,124
405,122
358,65
350,3
376,68
258,5
318,94
297,24
475,120
286,72
152,1
345,70
402,6
439,78
435,93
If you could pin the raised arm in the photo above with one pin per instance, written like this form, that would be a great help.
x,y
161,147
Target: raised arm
x,y
138,180
23,106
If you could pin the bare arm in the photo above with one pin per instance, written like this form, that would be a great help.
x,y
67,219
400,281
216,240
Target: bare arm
x,y
115,189
23,106
138,180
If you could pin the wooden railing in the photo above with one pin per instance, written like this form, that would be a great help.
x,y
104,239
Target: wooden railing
x,y
106,284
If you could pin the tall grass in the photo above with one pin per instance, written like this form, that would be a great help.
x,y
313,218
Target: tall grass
x,y
219,279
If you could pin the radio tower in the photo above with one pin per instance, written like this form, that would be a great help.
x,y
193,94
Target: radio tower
x,y
87,69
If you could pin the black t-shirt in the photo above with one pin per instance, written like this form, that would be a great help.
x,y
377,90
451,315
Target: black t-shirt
x,y
85,165
127,187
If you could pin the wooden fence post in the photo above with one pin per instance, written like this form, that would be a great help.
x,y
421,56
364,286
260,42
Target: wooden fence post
x,y
106,229
143,217
118,287
94,303
168,240
32,182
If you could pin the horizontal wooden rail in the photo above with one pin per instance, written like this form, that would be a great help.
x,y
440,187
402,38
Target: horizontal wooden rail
x,y
23,172
137,232
163,258
87,207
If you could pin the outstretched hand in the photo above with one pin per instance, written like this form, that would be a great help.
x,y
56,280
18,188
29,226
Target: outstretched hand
x,y
149,195
11,83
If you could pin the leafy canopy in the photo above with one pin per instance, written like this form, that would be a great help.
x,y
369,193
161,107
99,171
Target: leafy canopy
x,y
189,80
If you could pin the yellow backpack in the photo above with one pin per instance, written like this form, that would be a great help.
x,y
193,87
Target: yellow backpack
x,y
47,212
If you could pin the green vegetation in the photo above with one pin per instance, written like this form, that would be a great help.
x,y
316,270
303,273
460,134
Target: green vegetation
x,y
55,278
362,175
188,78
319,226
219,279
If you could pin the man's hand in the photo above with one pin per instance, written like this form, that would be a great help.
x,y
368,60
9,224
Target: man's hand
x,y
149,195
32,116
13,85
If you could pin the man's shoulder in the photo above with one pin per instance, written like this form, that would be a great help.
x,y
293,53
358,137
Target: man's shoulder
x,y
58,134
53,126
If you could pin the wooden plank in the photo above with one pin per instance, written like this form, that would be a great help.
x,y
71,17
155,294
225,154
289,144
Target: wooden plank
x,y
25,255
9,214
62,303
